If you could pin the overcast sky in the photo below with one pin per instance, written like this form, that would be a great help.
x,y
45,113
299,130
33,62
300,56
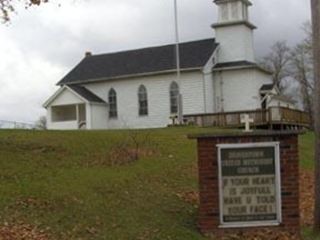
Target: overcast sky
x,y
42,44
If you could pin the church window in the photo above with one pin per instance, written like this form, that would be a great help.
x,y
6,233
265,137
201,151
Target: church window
x,y
143,101
174,95
112,97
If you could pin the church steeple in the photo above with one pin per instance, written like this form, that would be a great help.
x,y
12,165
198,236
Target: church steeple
x,y
234,32
233,10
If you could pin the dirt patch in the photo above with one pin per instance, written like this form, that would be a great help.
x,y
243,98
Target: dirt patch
x,y
22,231
306,197
120,156
306,211
125,155
263,235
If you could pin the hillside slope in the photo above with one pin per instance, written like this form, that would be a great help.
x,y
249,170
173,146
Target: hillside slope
x,y
103,184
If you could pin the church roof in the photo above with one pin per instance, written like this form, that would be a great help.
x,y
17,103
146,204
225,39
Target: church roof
x,y
140,62
86,94
237,65
234,64
267,87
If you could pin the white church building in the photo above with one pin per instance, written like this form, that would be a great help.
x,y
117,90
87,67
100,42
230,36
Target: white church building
x,y
139,88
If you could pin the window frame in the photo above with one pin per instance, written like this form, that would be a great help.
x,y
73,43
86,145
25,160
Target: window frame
x,y
113,104
143,107
174,92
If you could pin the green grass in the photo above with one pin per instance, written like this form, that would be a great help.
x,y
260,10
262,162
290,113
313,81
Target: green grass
x,y
69,183
306,150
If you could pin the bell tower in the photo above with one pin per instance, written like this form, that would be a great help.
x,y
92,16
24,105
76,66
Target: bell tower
x,y
234,32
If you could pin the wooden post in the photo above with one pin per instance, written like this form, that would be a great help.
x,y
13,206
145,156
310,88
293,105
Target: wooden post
x,y
315,8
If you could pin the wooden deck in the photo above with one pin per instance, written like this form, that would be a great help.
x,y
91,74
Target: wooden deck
x,y
274,117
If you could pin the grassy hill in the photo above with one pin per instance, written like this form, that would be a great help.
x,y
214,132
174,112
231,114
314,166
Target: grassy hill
x,y
92,184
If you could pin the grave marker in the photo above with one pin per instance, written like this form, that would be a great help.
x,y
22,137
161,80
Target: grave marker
x,y
247,120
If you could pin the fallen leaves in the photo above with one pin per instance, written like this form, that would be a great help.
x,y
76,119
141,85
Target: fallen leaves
x,y
22,232
265,234
306,197
306,212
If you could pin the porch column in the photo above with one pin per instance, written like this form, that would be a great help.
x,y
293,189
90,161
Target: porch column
x,y
88,116
77,115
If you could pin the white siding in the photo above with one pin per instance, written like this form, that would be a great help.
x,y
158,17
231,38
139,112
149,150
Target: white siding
x,y
238,90
66,98
236,43
99,115
67,125
280,103
158,99
209,96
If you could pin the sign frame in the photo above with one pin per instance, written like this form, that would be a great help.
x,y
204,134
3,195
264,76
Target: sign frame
x,y
276,146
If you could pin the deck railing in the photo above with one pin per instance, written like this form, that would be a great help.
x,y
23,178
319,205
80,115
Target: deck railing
x,y
273,115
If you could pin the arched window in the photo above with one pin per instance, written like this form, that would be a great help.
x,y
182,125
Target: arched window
x,y
174,94
143,101
112,97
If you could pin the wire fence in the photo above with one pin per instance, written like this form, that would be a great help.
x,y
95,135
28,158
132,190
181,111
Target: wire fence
x,y
4,124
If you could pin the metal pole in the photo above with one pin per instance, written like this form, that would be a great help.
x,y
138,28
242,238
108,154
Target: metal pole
x,y
176,21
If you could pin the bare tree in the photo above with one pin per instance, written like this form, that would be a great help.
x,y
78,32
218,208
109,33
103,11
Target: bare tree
x,y
315,8
307,28
41,123
7,7
278,62
301,70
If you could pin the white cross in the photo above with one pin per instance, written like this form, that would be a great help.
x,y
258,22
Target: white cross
x,y
247,120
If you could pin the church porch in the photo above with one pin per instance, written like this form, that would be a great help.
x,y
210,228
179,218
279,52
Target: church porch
x,y
273,118
68,116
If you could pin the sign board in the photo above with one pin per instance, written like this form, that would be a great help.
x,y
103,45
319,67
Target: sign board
x,y
249,184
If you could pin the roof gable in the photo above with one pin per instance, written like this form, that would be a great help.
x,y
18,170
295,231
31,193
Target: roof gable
x,y
269,88
148,60
86,94
78,91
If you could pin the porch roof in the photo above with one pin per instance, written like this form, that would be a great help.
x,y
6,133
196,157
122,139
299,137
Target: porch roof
x,y
81,92
86,94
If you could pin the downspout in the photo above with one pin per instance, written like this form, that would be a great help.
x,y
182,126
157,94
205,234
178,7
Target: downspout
x,y
204,91
221,92
214,90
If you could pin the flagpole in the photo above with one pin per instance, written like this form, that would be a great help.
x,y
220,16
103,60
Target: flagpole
x,y
176,21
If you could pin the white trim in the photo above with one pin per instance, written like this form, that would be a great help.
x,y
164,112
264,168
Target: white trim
x,y
207,69
58,92
241,67
253,224
278,221
46,103
64,87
